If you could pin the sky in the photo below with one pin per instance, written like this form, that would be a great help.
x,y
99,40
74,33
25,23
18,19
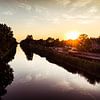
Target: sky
x,y
55,18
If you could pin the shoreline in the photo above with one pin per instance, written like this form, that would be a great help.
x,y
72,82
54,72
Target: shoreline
x,y
86,67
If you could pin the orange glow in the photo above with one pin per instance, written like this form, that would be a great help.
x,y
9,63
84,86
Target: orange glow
x,y
72,43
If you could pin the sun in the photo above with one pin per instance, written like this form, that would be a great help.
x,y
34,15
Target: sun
x,y
72,35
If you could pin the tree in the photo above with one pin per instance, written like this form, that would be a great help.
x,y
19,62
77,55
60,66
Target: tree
x,y
29,37
84,43
83,37
6,38
5,31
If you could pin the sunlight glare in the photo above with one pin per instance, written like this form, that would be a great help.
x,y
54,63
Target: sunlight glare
x,y
72,36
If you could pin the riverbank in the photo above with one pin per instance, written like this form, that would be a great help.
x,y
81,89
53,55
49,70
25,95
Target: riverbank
x,y
91,68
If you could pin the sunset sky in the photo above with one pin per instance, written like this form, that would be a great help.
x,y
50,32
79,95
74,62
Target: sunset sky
x,y
55,18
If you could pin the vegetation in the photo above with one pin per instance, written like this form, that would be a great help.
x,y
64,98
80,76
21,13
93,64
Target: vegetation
x,y
86,44
7,42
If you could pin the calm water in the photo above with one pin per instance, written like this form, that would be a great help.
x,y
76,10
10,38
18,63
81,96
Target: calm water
x,y
41,80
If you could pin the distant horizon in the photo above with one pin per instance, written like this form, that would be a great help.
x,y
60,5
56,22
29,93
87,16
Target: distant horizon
x,y
20,36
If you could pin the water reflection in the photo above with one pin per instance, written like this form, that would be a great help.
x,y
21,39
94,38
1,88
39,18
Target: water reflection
x,y
28,52
6,72
42,80
92,79
6,77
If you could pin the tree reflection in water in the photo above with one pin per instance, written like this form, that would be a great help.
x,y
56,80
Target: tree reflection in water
x,y
6,72
28,52
92,79
6,77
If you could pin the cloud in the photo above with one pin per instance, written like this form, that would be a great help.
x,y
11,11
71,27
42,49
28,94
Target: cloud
x,y
9,13
82,3
59,12
74,3
54,20
25,6
63,2
41,9
93,10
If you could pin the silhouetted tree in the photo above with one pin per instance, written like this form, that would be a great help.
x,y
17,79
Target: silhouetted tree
x,y
29,37
5,31
84,43
7,42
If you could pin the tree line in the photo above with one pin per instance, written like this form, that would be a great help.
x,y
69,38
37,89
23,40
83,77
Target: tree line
x,y
83,43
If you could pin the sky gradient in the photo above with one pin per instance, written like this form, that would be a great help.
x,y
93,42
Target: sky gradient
x,y
55,18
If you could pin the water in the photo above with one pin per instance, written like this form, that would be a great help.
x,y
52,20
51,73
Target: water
x,y
41,80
